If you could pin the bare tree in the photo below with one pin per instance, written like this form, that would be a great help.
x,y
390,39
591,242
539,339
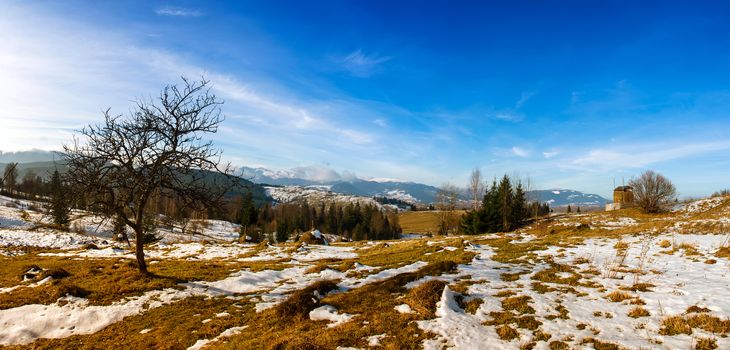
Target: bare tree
x,y
476,188
124,162
447,197
653,192
446,200
10,177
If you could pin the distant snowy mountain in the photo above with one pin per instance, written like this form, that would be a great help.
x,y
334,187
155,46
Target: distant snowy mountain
x,y
314,195
563,197
347,184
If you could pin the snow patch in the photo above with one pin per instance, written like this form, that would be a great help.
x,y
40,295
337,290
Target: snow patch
x,y
329,313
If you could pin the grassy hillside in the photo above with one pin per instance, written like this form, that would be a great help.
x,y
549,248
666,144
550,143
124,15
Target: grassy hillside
x,y
422,221
607,280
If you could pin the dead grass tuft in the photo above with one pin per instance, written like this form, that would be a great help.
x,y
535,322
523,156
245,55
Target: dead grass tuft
x,y
638,312
540,335
559,345
600,345
723,252
675,325
621,245
507,333
706,344
301,302
697,309
519,304
688,248
511,277
472,305
618,296
424,297
638,287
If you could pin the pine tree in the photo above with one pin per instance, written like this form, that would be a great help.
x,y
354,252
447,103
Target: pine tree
x,y
248,215
569,209
578,210
504,191
59,208
283,229
519,206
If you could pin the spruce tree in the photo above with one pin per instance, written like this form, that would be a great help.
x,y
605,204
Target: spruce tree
x,y
505,195
569,209
59,208
519,206
248,215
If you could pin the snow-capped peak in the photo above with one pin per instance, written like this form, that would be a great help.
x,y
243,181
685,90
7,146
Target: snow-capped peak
x,y
384,179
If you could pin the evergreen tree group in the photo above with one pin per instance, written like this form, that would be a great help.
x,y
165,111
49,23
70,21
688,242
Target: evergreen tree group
x,y
351,221
505,207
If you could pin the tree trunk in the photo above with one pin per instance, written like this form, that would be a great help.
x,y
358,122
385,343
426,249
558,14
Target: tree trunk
x,y
139,245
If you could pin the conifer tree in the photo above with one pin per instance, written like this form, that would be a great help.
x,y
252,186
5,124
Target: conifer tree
x,y
504,192
569,209
519,206
248,214
59,208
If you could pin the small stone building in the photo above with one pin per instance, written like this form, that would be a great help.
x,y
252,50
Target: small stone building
x,y
623,197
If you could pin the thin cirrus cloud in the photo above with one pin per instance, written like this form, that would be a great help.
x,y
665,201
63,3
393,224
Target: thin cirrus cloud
x,y
549,154
263,118
363,65
639,156
172,11
520,152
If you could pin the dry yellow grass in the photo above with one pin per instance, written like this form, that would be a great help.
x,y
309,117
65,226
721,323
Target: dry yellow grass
x,y
638,312
422,221
618,296
174,326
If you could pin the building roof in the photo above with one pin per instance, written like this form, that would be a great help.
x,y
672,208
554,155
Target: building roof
x,y
623,188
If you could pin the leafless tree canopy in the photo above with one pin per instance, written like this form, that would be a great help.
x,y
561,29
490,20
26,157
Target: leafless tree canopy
x,y
476,188
158,149
10,176
653,192
447,197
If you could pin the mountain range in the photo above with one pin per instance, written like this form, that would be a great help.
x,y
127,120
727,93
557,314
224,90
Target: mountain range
x,y
41,163
409,192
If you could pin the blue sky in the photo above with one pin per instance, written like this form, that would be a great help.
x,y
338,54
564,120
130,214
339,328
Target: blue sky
x,y
571,94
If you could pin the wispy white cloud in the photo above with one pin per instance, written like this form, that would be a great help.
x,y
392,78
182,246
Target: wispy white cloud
x,y
523,99
178,12
550,154
508,116
363,65
644,155
266,122
520,152
380,122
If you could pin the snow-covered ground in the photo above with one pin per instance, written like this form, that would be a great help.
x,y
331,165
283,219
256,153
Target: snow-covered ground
x,y
673,271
